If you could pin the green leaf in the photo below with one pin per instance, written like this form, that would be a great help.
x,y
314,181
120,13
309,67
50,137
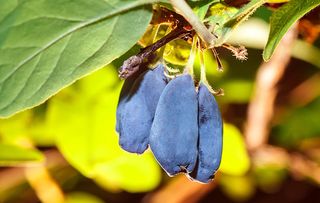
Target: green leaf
x,y
254,34
14,129
202,10
47,45
270,177
226,18
237,188
83,117
235,159
233,86
282,19
301,124
27,126
12,155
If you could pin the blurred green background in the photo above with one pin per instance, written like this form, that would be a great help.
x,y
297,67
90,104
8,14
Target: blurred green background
x,y
66,150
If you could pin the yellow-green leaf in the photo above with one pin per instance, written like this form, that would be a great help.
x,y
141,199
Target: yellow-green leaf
x,y
83,117
235,159
13,155
237,188
81,197
224,19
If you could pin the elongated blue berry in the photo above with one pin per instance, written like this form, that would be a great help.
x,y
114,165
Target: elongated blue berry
x,y
124,94
210,137
174,132
138,111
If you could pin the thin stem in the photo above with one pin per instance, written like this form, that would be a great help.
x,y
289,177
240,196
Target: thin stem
x,y
193,52
203,77
175,34
239,52
132,64
184,9
216,56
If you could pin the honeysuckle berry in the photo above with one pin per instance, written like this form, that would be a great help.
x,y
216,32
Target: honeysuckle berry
x,y
125,94
210,137
138,109
174,132
182,126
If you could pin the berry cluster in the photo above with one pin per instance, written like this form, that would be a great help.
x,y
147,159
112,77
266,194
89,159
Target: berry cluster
x,y
182,125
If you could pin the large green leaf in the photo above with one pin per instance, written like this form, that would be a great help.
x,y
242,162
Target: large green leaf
x,y
47,45
83,117
282,19
15,155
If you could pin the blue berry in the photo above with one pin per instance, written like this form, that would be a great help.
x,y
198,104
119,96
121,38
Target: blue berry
x,y
124,94
174,132
138,109
210,137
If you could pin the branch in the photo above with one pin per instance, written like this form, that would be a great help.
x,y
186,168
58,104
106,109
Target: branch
x,y
260,110
299,165
188,191
183,8
132,64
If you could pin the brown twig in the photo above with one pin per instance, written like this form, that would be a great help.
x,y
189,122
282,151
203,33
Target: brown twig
x,y
13,177
181,30
180,190
261,107
47,189
300,166
216,56
184,9
300,97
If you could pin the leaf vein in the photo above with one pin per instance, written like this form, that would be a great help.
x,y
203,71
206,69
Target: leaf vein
x,y
30,76
107,40
124,8
13,99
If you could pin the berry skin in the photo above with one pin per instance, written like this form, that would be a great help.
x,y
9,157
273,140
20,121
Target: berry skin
x,y
210,137
124,94
138,109
174,132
